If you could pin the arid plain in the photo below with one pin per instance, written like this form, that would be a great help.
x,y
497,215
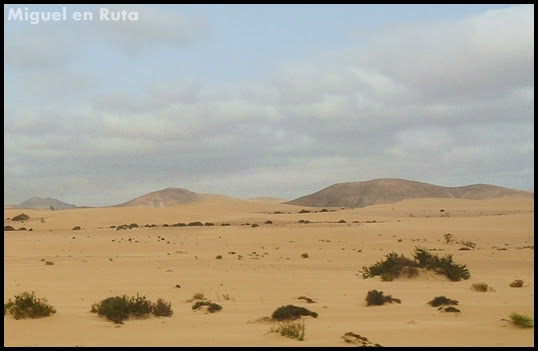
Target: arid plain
x,y
263,268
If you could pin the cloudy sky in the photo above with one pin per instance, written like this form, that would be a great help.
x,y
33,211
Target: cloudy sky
x,y
264,100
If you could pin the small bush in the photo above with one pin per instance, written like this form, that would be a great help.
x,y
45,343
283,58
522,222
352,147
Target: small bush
x,y
21,217
482,287
341,221
254,225
290,329
211,307
375,297
441,300
352,338
305,255
522,321
199,296
117,309
307,299
304,211
133,225
49,263
179,225
195,224
209,224
219,257
268,222
291,312
162,308
27,305
8,228
22,228
451,309
76,228
518,283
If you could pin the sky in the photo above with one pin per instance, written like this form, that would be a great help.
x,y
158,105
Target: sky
x,y
275,100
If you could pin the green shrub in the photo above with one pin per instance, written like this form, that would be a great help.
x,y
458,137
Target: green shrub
x,y
21,217
290,329
194,224
522,321
198,296
291,312
391,267
117,309
441,300
162,308
49,263
27,305
375,297
305,255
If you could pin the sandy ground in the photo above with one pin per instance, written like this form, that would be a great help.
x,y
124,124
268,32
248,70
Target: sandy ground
x,y
262,268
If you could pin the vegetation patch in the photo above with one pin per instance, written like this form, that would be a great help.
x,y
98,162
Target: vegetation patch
x,y
21,217
76,228
377,298
522,321
449,309
293,330
307,299
195,224
442,301
352,338
518,283
482,287
117,309
394,265
291,312
211,307
8,228
305,255
27,305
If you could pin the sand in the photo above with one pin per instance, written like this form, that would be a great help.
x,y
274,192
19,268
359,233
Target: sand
x,y
263,268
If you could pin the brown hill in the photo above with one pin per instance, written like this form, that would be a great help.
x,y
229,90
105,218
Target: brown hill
x,y
386,191
163,198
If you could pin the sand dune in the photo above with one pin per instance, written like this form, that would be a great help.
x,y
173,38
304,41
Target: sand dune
x,y
97,262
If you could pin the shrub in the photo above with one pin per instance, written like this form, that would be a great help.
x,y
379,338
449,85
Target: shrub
x,y
352,338
255,225
441,300
522,321
482,287
162,308
194,224
117,309
21,217
291,312
27,305
304,211
219,257
8,228
199,296
209,224
268,222
324,210
518,283
391,267
179,225
211,307
305,255
290,329
375,297
76,228
341,221
451,309
133,225
307,299
49,263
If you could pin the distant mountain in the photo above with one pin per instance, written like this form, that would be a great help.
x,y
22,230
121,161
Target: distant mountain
x,y
39,202
169,197
386,191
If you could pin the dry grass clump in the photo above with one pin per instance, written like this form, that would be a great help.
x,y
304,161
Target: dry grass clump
x,y
291,312
377,298
482,287
27,305
290,329
307,299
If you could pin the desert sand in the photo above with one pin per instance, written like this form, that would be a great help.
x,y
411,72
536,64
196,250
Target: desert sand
x,y
98,262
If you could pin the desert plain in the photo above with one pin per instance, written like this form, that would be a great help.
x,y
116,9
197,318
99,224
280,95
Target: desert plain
x,y
264,267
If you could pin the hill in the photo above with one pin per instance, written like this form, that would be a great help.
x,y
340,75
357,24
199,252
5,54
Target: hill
x,y
39,202
386,191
